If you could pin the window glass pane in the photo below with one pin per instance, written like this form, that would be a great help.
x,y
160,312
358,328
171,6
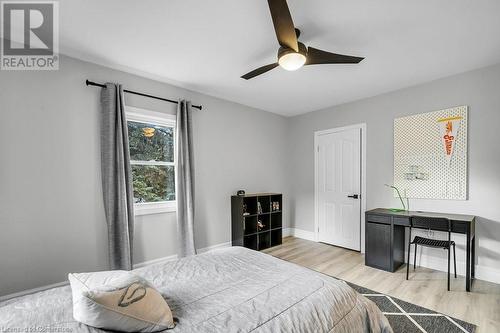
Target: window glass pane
x,y
149,142
153,183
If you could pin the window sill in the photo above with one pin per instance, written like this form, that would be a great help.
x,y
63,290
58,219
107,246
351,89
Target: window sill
x,y
155,208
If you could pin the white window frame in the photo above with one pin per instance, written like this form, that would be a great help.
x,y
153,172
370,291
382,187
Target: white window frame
x,y
157,118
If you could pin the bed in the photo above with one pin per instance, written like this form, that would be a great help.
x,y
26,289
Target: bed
x,y
226,290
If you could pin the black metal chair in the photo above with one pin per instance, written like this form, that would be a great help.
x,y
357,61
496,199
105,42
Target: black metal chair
x,y
433,223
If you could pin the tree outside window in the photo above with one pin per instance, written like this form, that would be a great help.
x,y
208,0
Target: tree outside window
x,y
152,153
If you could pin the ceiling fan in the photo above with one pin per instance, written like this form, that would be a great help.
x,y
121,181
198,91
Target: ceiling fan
x,y
293,54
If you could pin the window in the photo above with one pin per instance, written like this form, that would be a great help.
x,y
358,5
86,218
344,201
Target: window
x,y
152,158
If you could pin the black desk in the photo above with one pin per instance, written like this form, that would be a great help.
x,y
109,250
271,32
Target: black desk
x,y
385,238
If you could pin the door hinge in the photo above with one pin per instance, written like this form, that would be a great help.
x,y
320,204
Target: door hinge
x,y
317,148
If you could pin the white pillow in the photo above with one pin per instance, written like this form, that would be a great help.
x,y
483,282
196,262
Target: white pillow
x,y
119,300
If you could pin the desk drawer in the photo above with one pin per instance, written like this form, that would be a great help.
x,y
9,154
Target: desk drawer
x,y
404,221
378,219
459,227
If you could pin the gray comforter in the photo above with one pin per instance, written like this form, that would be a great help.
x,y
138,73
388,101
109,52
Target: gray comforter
x,y
227,290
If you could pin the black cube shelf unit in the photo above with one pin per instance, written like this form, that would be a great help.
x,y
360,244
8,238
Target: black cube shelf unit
x,y
245,217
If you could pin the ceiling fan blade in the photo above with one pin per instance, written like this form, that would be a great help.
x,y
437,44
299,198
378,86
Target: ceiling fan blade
x,y
317,57
283,24
259,71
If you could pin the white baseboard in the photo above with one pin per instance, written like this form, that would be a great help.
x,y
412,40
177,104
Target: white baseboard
x,y
174,256
488,274
441,264
299,233
138,265
34,290
286,232
155,261
213,247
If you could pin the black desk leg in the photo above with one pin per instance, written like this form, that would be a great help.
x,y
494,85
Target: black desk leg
x,y
468,262
473,259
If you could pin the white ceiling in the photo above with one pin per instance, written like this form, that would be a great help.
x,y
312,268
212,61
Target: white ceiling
x,y
206,45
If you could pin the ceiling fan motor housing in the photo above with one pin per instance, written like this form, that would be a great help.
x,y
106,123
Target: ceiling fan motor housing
x,y
285,50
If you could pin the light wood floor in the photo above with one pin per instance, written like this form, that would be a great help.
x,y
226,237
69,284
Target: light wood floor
x,y
426,287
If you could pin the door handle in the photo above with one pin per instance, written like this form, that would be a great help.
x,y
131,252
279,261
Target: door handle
x,y
354,196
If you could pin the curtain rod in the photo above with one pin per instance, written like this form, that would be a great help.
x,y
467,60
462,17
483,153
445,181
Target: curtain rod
x,y
90,83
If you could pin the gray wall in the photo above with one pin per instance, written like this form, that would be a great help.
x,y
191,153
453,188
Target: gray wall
x,y
479,89
51,212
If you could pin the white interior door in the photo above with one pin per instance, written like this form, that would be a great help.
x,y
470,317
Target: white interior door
x,y
339,188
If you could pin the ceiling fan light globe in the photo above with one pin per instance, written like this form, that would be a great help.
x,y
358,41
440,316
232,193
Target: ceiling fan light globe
x,y
292,61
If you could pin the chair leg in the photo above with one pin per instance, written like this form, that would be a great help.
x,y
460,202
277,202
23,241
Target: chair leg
x,y
415,258
455,261
449,268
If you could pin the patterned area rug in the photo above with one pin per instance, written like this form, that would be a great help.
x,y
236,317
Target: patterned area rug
x,y
406,317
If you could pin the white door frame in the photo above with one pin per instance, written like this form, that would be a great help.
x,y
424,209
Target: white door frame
x,y
362,128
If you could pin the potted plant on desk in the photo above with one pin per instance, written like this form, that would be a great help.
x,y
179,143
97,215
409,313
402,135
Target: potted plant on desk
x,y
405,207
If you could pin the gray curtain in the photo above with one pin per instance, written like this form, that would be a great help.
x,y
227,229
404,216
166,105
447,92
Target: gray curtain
x,y
184,182
116,177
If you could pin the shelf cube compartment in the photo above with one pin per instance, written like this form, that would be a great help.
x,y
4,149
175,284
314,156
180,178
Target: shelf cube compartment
x,y
251,242
249,225
265,219
251,205
264,240
276,237
265,203
276,220
277,198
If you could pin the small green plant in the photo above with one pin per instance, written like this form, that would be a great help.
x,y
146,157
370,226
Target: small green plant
x,y
400,198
